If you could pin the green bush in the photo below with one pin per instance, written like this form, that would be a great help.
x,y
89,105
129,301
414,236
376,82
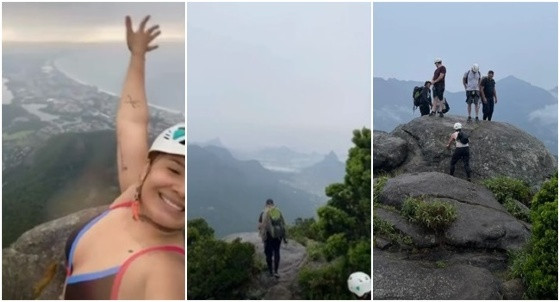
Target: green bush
x,y
325,283
504,187
436,215
314,250
217,269
384,228
538,263
336,246
359,257
302,230
514,209
378,187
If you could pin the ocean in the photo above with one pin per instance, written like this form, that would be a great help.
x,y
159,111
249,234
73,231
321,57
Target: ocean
x,y
104,65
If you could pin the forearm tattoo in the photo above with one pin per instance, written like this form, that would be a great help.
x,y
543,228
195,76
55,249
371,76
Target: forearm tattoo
x,y
132,102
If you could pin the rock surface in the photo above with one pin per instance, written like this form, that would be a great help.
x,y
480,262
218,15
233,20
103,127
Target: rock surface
x,y
496,149
292,258
33,267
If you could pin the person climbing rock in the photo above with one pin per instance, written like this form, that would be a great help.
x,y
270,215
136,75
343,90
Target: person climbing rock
x,y
359,284
461,140
272,231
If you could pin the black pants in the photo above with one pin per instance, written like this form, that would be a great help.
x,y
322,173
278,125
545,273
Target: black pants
x,y
461,153
488,109
424,109
272,248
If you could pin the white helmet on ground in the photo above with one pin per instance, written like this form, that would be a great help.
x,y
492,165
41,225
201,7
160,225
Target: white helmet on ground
x,y
475,67
170,141
437,60
359,283
457,126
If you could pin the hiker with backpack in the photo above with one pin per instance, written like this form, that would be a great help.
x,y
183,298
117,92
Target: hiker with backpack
x,y
471,82
461,140
489,97
439,87
423,98
272,231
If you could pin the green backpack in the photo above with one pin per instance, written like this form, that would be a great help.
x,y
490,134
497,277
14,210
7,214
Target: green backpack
x,y
275,226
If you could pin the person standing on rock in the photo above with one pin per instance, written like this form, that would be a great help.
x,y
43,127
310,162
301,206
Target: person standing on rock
x,y
461,150
425,99
135,250
471,82
489,97
438,82
272,231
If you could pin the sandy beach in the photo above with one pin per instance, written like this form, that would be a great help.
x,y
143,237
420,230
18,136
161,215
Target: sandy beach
x,y
78,80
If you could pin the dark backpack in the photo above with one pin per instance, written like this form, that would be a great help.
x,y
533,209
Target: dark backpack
x,y
445,106
417,95
275,225
463,137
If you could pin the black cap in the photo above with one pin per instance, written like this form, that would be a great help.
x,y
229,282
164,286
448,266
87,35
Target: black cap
x,y
269,202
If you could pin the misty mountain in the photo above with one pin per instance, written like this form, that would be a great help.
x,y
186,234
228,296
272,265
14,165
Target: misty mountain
x,y
280,158
316,178
531,108
230,193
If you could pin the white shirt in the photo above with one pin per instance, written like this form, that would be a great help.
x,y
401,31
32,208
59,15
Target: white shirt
x,y
473,79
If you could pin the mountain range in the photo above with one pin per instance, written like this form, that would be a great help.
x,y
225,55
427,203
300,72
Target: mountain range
x,y
230,193
526,106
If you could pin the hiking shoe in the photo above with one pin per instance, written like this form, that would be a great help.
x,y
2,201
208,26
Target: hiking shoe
x,y
469,179
432,113
476,119
469,119
277,275
441,114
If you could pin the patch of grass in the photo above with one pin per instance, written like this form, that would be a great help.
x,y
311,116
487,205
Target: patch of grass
x,y
378,187
504,187
436,215
441,264
514,209
384,228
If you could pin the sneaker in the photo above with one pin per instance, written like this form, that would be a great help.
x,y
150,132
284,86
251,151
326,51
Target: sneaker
x,y
432,113
441,114
476,119
469,179
277,275
469,119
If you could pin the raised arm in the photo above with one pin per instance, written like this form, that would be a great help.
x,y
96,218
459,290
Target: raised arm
x,y
132,114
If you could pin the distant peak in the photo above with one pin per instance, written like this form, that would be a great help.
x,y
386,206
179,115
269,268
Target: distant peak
x,y
331,156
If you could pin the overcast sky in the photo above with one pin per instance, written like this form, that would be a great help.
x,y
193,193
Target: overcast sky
x,y
519,39
273,74
86,22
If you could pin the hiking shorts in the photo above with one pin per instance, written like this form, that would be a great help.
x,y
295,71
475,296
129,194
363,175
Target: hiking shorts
x,y
438,92
473,97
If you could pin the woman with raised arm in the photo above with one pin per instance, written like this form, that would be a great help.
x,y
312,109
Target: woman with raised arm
x,y
135,249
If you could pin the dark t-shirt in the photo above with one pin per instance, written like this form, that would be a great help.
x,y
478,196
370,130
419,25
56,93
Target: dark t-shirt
x,y
489,85
440,70
426,96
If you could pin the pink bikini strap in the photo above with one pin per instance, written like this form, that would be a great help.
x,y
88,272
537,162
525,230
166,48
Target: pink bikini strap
x,y
124,267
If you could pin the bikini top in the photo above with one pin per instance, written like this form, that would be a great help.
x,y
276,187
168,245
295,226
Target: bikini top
x,y
104,284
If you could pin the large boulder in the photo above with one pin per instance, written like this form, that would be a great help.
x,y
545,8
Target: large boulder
x,y
33,267
482,222
396,278
496,149
389,152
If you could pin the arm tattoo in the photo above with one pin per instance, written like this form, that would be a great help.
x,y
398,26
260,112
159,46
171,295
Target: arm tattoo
x,y
132,102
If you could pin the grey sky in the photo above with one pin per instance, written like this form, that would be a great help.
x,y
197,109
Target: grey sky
x,y
272,74
519,39
77,22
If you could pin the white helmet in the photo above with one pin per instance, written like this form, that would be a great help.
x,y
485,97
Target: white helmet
x,y
437,60
457,126
170,141
359,283
475,67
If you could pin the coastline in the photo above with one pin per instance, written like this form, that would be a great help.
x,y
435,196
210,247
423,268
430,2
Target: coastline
x,y
79,81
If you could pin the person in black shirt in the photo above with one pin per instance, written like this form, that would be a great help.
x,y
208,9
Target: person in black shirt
x,y
425,99
489,97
